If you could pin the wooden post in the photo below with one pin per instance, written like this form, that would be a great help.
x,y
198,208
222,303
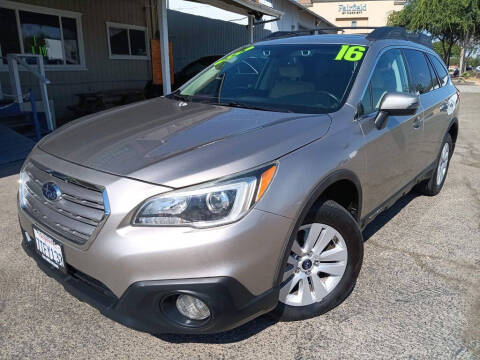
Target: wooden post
x,y
157,63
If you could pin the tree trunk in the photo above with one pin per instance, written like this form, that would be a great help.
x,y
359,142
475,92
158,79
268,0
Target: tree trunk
x,y
449,53
444,49
451,41
462,63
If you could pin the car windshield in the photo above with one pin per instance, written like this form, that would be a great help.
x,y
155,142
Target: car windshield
x,y
287,78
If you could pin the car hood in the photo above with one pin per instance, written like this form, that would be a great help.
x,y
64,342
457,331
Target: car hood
x,y
176,144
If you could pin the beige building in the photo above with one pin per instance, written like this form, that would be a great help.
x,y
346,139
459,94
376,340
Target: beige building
x,y
355,13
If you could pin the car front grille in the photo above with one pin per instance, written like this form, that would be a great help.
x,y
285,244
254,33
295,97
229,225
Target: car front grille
x,y
76,214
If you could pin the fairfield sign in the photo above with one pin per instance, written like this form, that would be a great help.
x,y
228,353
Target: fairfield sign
x,y
353,9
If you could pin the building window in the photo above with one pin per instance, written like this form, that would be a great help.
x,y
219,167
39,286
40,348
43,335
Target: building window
x,y
55,34
354,23
127,41
9,42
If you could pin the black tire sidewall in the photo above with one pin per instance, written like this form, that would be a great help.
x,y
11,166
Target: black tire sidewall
x,y
332,214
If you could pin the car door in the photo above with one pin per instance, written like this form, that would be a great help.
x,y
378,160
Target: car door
x,y
444,100
389,150
424,83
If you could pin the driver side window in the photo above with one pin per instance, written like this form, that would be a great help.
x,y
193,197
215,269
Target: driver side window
x,y
390,75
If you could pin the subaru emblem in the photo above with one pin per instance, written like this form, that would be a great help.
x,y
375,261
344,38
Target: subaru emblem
x,y
51,191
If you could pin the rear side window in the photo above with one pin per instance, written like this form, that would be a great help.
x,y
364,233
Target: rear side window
x,y
435,82
441,70
390,75
422,80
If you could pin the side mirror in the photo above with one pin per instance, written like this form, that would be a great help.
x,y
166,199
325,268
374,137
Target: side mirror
x,y
396,104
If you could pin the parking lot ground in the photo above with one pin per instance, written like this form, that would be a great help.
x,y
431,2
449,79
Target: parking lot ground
x,y
417,297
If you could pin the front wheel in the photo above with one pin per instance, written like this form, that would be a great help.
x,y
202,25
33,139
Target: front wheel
x,y
323,264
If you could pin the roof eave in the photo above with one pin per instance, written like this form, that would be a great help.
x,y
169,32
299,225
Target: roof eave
x,y
243,7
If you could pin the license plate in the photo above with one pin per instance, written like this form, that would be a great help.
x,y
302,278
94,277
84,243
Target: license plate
x,y
49,249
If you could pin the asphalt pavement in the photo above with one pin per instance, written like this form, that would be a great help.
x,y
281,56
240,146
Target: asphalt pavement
x,y
417,297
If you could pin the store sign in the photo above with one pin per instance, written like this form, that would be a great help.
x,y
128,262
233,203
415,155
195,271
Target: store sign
x,y
353,9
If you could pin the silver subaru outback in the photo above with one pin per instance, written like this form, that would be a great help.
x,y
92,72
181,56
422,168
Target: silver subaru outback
x,y
245,191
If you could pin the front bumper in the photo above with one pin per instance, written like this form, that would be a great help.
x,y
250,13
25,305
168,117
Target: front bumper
x,y
140,307
120,255
126,271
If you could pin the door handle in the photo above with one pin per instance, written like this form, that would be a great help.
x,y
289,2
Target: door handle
x,y
417,122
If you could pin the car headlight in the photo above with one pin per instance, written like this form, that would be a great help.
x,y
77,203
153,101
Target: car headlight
x,y
206,205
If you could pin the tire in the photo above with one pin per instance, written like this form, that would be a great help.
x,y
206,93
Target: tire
x,y
326,290
433,186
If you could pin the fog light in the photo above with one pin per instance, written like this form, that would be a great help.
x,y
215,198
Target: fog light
x,y
192,307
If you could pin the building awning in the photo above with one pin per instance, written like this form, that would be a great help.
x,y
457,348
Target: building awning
x,y
243,7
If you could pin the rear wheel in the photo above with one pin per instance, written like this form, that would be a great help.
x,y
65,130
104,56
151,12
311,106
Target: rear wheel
x,y
434,185
323,264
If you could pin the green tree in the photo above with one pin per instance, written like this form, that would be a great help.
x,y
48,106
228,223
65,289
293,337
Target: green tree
x,y
449,21
440,47
474,62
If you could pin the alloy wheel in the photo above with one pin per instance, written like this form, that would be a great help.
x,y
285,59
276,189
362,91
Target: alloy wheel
x,y
443,163
315,266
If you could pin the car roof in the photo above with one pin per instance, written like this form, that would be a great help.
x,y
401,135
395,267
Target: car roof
x,y
379,38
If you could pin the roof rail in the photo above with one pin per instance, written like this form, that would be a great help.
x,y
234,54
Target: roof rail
x,y
314,31
378,33
285,34
399,33
342,28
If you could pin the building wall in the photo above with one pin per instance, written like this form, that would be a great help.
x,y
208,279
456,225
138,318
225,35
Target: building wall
x,y
194,36
368,13
102,73
294,18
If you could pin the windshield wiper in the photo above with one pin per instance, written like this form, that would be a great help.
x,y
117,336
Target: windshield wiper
x,y
231,103
194,98
178,96
238,104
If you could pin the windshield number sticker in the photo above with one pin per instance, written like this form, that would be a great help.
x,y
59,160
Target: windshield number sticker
x,y
233,55
350,53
